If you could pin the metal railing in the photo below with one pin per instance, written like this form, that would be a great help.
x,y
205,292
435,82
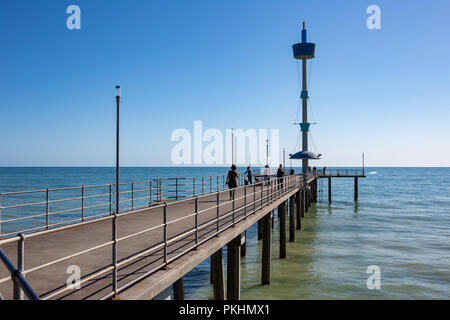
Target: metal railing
x,y
20,284
250,199
339,172
37,210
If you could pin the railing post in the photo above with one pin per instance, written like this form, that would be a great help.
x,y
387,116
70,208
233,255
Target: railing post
x,y
245,202
82,203
114,255
196,222
217,183
254,198
160,189
233,207
132,196
18,293
150,191
203,185
46,209
262,193
193,186
218,210
210,184
110,199
165,235
176,188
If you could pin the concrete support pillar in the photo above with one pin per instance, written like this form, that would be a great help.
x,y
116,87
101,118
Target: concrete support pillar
x,y
315,191
266,249
356,189
273,219
260,235
329,189
234,268
298,203
310,197
302,204
282,225
178,289
244,244
217,275
307,199
292,219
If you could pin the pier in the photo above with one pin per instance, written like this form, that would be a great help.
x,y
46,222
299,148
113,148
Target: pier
x,y
138,240
151,249
341,173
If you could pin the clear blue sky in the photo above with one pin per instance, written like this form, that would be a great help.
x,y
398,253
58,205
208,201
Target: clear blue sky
x,y
228,63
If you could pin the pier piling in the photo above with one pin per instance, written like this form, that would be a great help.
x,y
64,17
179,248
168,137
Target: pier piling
x,y
273,219
299,208
302,208
315,191
329,189
307,198
282,217
244,244
234,268
217,275
266,249
356,189
292,219
178,289
260,230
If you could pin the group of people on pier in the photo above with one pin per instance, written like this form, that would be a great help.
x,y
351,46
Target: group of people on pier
x,y
233,178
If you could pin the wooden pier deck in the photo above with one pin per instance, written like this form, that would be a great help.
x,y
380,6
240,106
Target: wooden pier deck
x,y
155,246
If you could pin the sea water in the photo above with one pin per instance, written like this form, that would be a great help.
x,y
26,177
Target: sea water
x,y
401,225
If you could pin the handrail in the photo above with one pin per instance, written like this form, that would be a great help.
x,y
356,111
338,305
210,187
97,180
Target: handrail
x,y
18,278
255,196
61,204
325,172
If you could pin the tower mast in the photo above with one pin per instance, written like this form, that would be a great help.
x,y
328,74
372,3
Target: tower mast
x,y
304,51
304,97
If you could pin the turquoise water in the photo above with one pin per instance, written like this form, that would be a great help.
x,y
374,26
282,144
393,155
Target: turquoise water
x,y
400,224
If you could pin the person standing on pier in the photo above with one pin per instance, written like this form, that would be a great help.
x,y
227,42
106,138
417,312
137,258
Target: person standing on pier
x,y
249,174
267,174
232,179
280,175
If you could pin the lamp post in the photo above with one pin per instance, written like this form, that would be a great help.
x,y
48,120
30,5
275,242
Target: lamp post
x,y
114,229
117,147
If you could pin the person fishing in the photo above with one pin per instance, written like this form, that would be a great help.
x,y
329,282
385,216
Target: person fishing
x,y
232,180
249,174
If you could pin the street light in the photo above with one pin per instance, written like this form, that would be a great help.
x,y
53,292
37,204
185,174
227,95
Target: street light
x,y
117,148
114,247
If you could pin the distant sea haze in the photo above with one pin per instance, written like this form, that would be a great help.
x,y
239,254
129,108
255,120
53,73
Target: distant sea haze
x,y
400,224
